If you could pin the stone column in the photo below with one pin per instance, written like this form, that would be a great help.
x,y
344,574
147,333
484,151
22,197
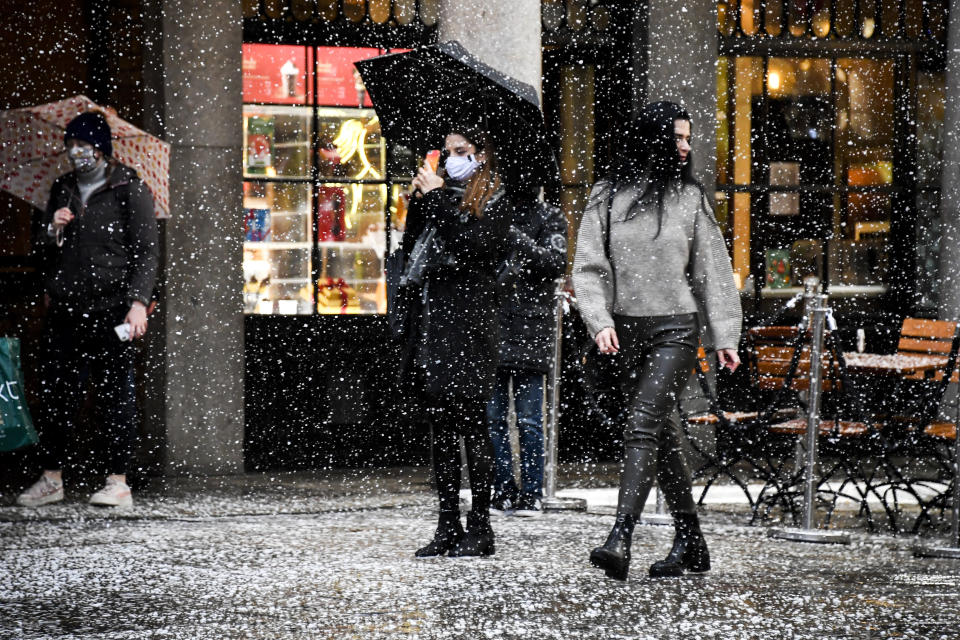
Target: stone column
x,y
681,60
193,101
950,176
506,36
680,66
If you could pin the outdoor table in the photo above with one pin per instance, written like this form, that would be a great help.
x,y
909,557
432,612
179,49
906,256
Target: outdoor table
x,y
892,363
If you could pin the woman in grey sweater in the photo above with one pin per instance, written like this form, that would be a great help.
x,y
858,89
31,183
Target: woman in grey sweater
x,y
649,288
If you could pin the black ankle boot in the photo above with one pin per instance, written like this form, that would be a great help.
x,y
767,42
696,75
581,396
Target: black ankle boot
x,y
478,540
449,533
614,556
689,550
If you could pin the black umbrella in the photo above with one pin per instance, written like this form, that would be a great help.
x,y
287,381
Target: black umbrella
x,y
421,95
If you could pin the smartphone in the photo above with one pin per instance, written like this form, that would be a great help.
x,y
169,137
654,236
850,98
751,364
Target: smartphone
x,y
123,331
433,160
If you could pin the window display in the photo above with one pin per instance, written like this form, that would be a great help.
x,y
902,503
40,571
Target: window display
x,y
316,190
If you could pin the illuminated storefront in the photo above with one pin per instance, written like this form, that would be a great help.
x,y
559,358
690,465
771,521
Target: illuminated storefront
x,y
315,189
321,207
829,131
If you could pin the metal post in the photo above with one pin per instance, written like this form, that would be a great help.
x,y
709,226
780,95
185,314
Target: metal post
x,y
817,307
660,517
550,500
952,550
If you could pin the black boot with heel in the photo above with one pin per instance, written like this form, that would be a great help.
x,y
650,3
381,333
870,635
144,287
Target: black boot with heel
x,y
689,552
449,534
614,556
478,540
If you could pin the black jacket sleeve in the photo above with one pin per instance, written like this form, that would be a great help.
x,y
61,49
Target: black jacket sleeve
x,y
542,251
142,244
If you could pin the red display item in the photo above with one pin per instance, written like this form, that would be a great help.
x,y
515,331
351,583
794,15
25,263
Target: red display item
x,y
331,211
336,297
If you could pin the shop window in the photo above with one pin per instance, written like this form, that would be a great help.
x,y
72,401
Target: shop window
x,y
774,17
316,183
328,9
805,165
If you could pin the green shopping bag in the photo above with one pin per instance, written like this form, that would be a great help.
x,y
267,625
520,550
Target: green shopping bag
x,y
16,427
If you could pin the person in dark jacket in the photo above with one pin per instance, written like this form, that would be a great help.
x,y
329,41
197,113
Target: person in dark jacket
x,y
99,241
451,339
537,245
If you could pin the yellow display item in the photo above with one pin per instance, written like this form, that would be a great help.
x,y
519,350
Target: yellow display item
x,y
335,296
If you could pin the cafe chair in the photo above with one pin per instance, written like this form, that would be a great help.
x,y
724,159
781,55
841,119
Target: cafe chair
x,y
920,453
736,439
849,442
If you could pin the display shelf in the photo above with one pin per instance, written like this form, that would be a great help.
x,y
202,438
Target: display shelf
x,y
313,193
277,246
290,281
342,244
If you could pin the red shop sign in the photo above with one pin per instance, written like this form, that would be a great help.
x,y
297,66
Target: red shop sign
x,y
274,73
278,74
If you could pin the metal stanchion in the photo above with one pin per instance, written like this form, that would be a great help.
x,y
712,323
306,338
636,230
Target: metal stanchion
x,y
952,550
661,517
816,305
550,500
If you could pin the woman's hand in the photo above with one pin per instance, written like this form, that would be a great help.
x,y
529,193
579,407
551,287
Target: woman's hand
x,y
607,340
427,180
728,358
137,319
62,216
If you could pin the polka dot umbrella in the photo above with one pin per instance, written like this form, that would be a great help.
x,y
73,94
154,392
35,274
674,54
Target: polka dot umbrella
x,y
32,154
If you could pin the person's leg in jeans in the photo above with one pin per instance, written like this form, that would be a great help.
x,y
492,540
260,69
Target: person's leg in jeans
x,y
528,399
504,486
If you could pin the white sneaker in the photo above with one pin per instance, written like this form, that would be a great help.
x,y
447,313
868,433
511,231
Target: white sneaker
x,y
43,491
113,494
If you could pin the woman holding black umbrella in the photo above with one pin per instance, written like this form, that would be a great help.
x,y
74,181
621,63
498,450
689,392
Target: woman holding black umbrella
x,y
450,344
652,270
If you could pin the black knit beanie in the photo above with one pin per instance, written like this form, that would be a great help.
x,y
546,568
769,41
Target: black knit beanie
x,y
91,127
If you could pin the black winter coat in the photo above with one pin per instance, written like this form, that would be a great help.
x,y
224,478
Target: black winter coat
x,y
452,334
537,242
110,251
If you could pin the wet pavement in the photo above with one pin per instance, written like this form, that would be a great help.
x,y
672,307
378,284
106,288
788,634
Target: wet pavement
x,y
329,555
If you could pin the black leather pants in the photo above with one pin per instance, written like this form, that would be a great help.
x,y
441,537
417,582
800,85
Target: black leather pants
x,y
657,356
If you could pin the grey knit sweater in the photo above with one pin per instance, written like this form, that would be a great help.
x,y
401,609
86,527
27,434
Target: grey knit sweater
x,y
686,269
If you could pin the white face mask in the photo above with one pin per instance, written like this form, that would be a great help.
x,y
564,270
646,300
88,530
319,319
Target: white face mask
x,y
461,167
83,159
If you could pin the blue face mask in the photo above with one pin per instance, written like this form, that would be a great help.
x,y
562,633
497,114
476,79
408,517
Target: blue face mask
x,y
461,167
